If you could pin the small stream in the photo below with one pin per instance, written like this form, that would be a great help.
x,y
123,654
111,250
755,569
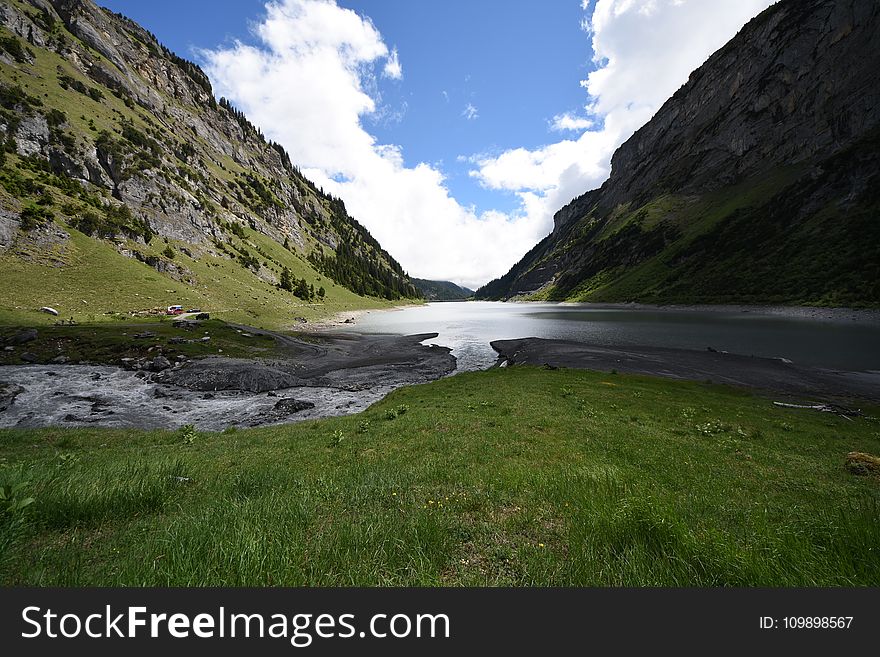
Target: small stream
x,y
89,395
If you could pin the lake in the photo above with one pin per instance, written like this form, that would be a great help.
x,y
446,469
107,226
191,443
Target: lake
x,y
836,339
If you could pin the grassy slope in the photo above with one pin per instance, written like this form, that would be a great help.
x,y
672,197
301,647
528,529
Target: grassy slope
x,y
96,273
517,476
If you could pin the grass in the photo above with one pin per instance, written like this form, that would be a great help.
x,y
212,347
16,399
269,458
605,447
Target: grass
x,y
519,476
90,279
110,342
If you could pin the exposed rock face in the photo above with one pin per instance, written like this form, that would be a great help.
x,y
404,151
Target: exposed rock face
x,y
98,102
767,158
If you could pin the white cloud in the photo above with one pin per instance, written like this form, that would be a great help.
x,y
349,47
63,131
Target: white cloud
x,y
393,69
569,122
470,112
310,83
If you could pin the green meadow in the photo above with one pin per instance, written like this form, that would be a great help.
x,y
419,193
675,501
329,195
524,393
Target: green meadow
x,y
518,476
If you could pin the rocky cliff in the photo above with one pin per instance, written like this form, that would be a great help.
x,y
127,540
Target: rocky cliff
x,y
758,181
119,163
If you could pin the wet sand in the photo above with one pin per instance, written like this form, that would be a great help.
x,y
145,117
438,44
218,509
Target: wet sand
x,y
775,375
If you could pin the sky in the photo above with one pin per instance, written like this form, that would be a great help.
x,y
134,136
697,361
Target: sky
x,y
452,130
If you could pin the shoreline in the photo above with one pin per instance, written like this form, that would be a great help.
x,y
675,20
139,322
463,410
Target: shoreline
x,y
345,318
841,313
774,375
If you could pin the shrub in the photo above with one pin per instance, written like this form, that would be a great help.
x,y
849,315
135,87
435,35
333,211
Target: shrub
x,y
33,216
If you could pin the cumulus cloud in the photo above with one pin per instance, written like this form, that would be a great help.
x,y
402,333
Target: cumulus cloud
x,y
569,122
309,82
470,112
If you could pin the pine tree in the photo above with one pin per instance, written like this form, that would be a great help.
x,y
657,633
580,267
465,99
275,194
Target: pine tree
x,y
302,289
286,282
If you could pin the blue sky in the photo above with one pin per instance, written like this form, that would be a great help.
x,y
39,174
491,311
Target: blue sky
x,y
434,121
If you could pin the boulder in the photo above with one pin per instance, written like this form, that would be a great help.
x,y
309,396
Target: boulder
x,y
8,393
29,357
23,336
158,364
289,406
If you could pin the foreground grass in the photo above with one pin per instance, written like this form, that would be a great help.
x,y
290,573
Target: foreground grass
x,y
517,476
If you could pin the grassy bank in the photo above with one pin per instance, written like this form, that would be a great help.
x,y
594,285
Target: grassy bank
x,y
516,476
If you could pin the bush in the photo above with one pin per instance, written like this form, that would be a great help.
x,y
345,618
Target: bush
x,y
55,117
13,46
33,216
169,252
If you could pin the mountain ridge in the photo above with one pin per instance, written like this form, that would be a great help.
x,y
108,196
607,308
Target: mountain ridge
x,y
442,290
115,150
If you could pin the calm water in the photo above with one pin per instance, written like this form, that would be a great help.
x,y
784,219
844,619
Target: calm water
x,y
843,342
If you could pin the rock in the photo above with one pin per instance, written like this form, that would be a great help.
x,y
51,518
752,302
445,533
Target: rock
x,y
158,393
862,464
203,316
186,324
158,364
8,393
8,348
146,335
29,357
24,336
48,310
32,134
290,406
350,320
8,227
60,360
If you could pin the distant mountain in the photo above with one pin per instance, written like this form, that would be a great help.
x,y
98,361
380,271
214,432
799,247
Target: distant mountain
x,y
122,175
442,290
758,181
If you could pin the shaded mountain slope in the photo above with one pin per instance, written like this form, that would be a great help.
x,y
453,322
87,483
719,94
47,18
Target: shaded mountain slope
x,y
758,181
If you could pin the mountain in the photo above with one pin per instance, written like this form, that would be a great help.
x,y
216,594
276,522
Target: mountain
x,y
126,185
442,290
758,181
